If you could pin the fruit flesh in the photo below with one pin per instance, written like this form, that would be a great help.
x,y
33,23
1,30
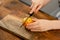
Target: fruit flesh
x,y
29,20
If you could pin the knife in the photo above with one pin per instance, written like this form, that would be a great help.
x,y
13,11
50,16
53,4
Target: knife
x,y
27,18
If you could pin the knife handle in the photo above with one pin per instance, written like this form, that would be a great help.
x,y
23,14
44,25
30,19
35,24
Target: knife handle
x,y
31,14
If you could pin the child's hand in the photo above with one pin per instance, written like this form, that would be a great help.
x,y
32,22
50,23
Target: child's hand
x,y
38,4
39,25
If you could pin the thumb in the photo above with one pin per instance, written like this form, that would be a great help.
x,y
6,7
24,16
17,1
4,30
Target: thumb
x,y
35,19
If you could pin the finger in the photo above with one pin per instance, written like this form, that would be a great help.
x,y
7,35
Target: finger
x,y
32,25
35,19
32,5
39,8
35,30
0,2
33,9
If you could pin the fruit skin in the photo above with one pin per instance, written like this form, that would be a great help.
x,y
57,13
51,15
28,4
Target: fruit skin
x,y
29,20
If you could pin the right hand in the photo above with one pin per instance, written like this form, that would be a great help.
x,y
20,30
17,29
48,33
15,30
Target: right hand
x,y
0,2
38,4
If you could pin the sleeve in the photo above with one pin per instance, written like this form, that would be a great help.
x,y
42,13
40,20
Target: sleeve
x,y
58,15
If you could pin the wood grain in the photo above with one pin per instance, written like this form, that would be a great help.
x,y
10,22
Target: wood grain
x,y
21,10
4,35
13,24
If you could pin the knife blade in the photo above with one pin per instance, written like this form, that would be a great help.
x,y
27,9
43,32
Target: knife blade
x,y
27,19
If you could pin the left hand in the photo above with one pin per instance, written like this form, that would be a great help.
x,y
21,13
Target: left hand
x,y
39,25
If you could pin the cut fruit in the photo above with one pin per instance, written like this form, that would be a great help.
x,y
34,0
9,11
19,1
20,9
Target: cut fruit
x,y
29,20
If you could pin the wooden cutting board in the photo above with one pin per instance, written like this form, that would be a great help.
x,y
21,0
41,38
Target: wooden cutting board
x,y
20,10
13,24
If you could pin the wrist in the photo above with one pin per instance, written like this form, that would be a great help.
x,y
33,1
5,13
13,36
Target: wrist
x,y
55,24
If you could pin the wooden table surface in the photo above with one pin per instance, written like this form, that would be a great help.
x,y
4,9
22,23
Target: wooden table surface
x,y
19,9
4,35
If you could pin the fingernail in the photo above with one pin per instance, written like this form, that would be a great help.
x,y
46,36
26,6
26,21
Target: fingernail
x,y
30,12
0,2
